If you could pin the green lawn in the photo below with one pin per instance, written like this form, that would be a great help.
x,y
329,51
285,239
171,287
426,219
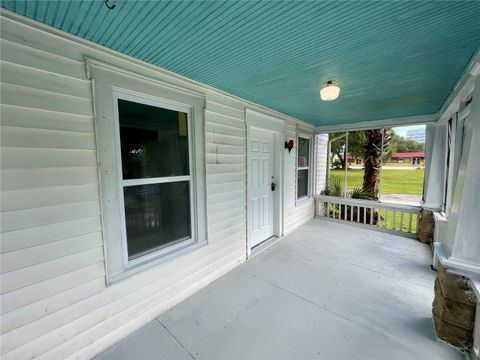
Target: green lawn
x,y
394,181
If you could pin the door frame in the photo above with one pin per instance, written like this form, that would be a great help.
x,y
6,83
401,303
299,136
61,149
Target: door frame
x,y
265,122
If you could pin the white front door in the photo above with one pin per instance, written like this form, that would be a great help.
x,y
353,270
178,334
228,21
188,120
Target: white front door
x,y
261,177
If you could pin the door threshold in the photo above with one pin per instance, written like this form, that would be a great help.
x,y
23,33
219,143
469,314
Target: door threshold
x,y
264,245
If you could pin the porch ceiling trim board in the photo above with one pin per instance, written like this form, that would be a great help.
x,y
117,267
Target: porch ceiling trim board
x,y
463,88
392,59
362,125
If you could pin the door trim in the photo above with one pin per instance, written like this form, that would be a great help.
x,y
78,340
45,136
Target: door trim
x,y
265,122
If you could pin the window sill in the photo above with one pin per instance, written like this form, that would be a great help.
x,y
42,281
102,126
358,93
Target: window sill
x,y
147,265
303,200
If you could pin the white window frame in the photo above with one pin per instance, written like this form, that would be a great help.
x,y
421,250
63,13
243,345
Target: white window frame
x,y
118,95
111,83
300,200
460,124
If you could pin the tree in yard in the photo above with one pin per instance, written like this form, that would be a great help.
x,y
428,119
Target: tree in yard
x,y
356,145
373,159
402,144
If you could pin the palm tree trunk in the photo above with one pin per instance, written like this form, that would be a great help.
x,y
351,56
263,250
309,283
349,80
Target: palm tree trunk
x,y
373,159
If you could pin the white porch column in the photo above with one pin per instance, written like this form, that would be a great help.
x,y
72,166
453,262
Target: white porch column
x,y
321,153
435,155
457,254
463,231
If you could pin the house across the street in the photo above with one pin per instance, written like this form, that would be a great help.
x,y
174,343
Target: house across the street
x,y
414,158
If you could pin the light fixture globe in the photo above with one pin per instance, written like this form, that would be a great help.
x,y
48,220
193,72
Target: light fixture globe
x,y
330,90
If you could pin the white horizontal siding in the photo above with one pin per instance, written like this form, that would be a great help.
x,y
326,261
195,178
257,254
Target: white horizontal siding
x,y
42,177
99,311
19,117
19,95
37,59
47,196
13,136
54,301
295,213
50,81
321,153
61,260
34,236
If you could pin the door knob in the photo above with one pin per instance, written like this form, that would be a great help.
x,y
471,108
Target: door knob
x,y
273,184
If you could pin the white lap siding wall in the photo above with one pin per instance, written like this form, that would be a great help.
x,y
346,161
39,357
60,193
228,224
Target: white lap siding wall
x,y
321,154
296,213
54,301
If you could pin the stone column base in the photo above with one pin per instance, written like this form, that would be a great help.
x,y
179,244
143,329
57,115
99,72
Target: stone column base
x,y
426,226
453,309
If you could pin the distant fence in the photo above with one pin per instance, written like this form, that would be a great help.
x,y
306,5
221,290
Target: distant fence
x,y
393,218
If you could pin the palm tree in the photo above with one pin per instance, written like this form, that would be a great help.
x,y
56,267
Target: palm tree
x,y
373,159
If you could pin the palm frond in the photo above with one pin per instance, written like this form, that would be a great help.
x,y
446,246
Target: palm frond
x,y
359,193
333,188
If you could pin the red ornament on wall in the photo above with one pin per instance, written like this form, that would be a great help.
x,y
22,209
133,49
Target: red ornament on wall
x,y
289,145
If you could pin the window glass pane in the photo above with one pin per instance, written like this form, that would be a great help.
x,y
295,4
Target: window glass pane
x,y
302,183
154,141
303,152
156,215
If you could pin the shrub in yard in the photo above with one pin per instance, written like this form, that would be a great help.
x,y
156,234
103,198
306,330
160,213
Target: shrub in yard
x,y
333,188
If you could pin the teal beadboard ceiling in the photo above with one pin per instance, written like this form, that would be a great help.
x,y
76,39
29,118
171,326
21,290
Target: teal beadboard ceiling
x,y
391,58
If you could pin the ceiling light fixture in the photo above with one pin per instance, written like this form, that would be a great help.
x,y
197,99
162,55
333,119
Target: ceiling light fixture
x,y
330,90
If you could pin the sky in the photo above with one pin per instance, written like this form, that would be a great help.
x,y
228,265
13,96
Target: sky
x,y
402,131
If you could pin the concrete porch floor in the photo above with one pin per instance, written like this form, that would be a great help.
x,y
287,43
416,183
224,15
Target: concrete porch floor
x,y
326,291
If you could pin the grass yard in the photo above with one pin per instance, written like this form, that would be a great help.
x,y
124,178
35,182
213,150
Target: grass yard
x,y
394,181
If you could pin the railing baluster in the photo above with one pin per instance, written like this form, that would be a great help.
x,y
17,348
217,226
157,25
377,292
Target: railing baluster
x,y
395,217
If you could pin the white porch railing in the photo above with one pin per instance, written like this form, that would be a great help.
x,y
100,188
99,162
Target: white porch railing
x,y
394,218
